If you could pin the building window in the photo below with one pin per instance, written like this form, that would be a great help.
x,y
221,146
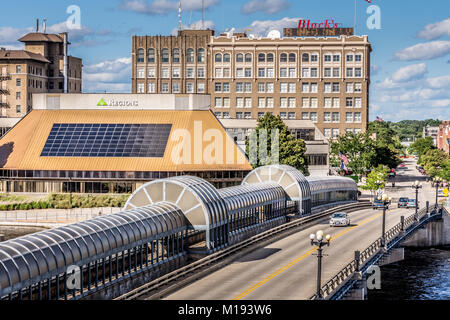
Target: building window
x,y
349,102
248,57
327,72
200,72
151,72
349,73
314,58
226,87
305,87
261,102
226,102
176,72
283,115
336,73
270,87
226,72
305,57
283,57
313,117
349,88
165,73
140,88
336,102
239,57
201,87
218,73
18,69
336,87
335,117
239,73
261,57
270,73
283,102
165,55
261,72
291,102
336,58
140,56
260,115
165,87
305,115
314,88
218,115
218,57
327,102
292,88
190,87
327,133
240,87
291,57
218,102
247,115
327,58
175,87
358,87
201,55
327,87
358,103
348,117
270,57
358,57
239,102
349,58
314,73
248,87
176,55
283,87
292,72
291,115
305,102
358,117
151,55
189,72
248,72
248,102
239,115
261,87
190,55
283,72
218,87
18,109
306,73
269,103
313,102
327,117
358,72
335,133
19,95
226,57
151,87
141,73
18,82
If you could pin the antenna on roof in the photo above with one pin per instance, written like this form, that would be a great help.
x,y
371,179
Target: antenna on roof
x,y
203,14
45,25
180,25
37,25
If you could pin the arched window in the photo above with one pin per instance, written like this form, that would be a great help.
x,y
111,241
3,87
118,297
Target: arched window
x,y
305,57
291,57
218,57
226,57
261,57
270,57
239,57
201,55
151,55
165,55
248,57
283,57
140,56
176,55
190,55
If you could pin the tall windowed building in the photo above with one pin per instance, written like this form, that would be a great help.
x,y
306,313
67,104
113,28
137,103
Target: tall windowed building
x,y
324,79
44,66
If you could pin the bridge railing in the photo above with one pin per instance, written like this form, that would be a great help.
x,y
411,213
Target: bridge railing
x,y
347,272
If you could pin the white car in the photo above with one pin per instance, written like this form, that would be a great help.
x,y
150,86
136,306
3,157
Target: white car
x,y
339,219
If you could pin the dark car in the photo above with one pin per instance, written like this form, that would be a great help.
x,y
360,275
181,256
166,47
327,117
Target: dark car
x,y
378,204
402,202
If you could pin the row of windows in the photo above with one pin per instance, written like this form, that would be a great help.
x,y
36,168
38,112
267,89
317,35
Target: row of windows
x,y
176,87
165,55
240,57
176,72
268,102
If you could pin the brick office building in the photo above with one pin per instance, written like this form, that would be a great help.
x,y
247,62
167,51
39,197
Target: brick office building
x,y
323,79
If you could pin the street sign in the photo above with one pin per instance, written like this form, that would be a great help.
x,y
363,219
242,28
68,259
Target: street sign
x,y
445,191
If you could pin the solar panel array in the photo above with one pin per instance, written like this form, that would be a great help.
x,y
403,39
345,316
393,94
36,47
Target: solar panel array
x,y
107,140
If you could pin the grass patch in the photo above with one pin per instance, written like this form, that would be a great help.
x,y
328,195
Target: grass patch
x,y
62,201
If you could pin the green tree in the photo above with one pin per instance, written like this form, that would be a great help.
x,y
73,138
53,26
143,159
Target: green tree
x,y
422,146
380,174
445,171
290,151
433,160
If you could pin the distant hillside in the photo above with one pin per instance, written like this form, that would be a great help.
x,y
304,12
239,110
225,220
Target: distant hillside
x,y
408,129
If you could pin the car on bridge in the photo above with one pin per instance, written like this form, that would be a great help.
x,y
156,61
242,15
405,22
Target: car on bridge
x,y
339,219
411,203
378,204
403,202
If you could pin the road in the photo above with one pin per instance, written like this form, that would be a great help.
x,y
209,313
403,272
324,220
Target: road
x,y
286,269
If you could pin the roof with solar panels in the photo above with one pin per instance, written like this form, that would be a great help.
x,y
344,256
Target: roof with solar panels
x,y
120,132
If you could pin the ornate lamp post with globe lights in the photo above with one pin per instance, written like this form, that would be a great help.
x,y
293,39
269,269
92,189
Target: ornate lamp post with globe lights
x,y
417,185
386,202
318,240
437,182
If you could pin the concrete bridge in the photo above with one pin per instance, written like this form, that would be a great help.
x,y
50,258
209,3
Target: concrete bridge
x,y
178,238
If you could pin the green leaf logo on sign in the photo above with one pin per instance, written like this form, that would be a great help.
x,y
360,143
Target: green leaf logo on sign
x,y
102,102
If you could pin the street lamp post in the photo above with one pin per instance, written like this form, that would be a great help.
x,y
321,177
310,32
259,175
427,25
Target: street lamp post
x,y
318,240
386,202
437,181
417,185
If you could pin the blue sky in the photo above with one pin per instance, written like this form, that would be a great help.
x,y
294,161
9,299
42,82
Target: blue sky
x,y
410,58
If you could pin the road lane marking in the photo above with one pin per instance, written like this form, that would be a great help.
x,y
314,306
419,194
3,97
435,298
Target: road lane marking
x,y
292,263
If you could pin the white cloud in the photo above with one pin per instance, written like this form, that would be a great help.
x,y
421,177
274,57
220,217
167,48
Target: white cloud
x,y
110,75
439,82
424,51
267,6
435,30
164,6
408,73
262,28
